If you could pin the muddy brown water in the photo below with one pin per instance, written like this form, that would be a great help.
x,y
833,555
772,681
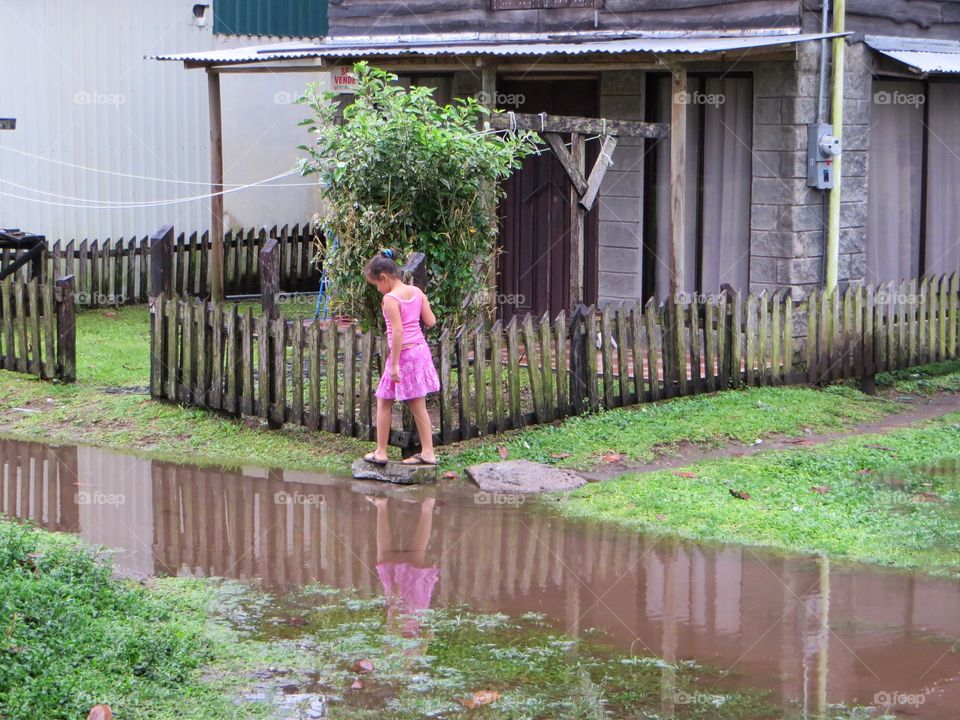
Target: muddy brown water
x,y
810,632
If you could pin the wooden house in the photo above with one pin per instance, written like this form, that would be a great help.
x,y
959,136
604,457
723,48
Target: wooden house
x,y
724,199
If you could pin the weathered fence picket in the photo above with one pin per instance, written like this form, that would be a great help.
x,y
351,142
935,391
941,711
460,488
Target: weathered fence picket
x,y
115,272
496,378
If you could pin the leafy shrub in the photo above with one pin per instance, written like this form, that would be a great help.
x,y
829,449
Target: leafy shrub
x,y
403,172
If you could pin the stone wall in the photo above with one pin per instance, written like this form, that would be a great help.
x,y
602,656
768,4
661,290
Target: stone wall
x,y
621,193
788,219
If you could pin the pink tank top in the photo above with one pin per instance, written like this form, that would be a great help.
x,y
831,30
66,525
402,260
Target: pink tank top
x,y
409,318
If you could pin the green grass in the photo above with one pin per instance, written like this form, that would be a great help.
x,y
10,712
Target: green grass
x,y
73,637
640,433
864,515
942,377
450,653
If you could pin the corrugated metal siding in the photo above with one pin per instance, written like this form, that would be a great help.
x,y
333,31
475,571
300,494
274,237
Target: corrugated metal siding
x,y
78,79
303,18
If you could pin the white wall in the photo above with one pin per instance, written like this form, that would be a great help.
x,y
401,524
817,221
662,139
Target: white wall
x,y
75,76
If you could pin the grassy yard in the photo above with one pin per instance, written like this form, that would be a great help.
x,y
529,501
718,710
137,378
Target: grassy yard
x,y
869,498
109,406
74,636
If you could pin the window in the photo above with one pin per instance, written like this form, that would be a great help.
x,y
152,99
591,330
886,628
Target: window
x,y
913,219
292,18
719,180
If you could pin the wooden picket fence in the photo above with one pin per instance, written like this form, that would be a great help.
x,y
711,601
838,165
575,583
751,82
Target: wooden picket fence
x,y
38,328
116,272
496,378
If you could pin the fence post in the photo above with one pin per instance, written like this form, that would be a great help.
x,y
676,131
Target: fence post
x,y
415,270
63,292
161,263
731,354
269,277
415,273
578,360
269,289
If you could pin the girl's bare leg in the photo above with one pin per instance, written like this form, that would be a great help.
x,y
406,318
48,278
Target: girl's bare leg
x,y
418,407
421,536
384,414
384,535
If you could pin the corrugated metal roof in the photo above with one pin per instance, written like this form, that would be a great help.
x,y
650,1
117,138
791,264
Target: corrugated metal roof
x,y
921,56
478,44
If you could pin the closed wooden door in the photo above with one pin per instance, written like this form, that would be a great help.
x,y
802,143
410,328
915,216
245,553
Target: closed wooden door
x,y
533,269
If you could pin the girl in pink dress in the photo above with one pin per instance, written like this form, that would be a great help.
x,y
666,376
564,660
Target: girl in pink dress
x,y
409,375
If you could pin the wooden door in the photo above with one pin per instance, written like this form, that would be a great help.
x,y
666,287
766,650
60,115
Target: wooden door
x,y
533,269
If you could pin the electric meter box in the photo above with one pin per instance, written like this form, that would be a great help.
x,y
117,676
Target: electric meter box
x,y
822,149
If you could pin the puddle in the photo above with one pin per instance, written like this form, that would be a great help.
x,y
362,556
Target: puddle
x,y
809,634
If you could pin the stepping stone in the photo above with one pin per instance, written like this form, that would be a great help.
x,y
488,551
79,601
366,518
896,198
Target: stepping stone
x,y
394,472
523,476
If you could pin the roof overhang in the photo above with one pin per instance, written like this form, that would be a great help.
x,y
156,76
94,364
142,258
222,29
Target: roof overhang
x,y
923,57
603,45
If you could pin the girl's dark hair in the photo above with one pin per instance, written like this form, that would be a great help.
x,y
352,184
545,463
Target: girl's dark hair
x,y
383,263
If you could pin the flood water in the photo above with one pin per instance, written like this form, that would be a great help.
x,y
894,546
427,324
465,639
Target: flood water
x,y
812,633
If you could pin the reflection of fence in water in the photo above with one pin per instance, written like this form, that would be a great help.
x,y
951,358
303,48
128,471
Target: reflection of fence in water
x,y
38,483
653,595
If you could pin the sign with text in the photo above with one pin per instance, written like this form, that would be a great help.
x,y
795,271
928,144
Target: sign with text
x,y
343,81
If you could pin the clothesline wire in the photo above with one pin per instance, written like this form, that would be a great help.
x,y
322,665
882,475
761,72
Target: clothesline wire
x,y
131,205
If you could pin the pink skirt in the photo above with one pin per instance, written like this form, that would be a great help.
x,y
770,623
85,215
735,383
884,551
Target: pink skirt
x,y
418,376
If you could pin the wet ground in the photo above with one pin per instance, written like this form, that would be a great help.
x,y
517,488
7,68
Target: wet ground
x,y
811,634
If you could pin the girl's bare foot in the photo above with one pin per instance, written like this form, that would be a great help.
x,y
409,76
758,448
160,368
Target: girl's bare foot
x,y
377,500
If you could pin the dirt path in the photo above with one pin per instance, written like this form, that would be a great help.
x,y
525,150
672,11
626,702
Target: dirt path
x,y
918,409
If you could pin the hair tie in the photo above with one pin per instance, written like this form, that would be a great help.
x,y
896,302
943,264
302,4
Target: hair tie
x,y
387,253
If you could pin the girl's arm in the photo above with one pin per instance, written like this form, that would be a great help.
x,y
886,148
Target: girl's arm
x,y
426,314
392,311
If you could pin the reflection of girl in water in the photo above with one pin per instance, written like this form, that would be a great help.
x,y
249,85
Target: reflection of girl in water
x,y
408,580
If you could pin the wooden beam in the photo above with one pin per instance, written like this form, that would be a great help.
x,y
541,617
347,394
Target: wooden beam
x,y
574,171
488,87
598,171
589,126
216,186
577,221
678,175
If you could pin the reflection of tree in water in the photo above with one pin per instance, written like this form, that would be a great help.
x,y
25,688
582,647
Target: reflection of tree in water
x,y
408,579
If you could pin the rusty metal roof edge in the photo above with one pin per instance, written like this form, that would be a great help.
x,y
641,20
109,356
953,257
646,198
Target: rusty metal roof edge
x,y
479,44
924,57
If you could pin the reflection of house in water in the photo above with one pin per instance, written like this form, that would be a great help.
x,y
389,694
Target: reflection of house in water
x,y
724,606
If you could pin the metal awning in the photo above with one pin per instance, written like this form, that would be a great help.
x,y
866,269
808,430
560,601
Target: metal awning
x,y
509,45
921,56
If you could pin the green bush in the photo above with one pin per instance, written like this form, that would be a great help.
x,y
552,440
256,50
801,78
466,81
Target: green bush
x,y
403,172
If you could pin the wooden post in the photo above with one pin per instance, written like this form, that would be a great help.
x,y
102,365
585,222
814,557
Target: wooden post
x,y
678,161
488,86
488,98
161,263
66,329
270,277
415,271
578,216
580,345
216,186
271,345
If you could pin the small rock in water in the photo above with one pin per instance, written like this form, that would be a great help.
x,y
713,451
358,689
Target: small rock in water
x,y
394,472
523,476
